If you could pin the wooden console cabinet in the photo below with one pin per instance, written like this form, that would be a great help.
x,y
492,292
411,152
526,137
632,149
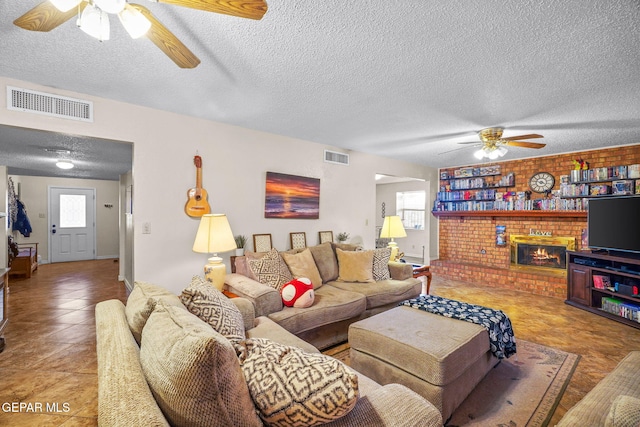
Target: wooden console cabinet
x,y
582,266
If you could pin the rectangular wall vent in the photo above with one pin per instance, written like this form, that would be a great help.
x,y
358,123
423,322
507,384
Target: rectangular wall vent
x,y
31,101
335,157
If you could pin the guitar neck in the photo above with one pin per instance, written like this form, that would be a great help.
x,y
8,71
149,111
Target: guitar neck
x,y
198,178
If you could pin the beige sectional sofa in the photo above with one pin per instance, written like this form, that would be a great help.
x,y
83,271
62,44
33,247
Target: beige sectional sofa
x,y
160,364
613,402
339,300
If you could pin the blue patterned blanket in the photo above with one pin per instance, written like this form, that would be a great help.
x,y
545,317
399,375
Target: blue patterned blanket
x,y
497,323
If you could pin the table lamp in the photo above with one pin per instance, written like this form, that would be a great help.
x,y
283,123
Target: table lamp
x,y
214,235
392,228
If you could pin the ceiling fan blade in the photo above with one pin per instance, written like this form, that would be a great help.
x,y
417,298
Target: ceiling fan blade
x,y
525,144
252,9
46,17
469,142
167,41
519,137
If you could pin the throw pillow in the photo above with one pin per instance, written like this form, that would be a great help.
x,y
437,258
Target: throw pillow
x,y
271,270
298,293
210,305
302,264
193,372
141,302
624,412
292,388
355,266
381,264
326,261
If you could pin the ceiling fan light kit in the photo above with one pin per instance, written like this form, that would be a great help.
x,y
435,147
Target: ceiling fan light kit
x,y
491,153
111,6
95,22
93,19
134,22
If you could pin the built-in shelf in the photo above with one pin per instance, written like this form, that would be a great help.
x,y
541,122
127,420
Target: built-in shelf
x,y
551,214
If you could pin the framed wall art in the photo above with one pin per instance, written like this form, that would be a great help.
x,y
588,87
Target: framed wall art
x,y
262,242
298,240
291,196
325,236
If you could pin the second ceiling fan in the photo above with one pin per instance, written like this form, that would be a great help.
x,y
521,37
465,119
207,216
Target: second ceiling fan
x,y
93,18
493,144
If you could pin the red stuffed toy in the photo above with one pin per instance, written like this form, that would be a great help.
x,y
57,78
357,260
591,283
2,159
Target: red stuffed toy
x,y
298,293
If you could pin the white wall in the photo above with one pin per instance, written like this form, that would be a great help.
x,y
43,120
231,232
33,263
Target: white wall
x,y
235,161
34,193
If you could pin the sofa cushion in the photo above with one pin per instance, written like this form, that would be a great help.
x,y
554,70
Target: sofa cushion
x,y
326,261
142,301
302,264
291,387
383,292
625,412
211,306
331,305
355,266
381,264
193,371
271,269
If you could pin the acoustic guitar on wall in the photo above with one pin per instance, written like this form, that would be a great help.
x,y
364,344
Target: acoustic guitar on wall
x,y
197,204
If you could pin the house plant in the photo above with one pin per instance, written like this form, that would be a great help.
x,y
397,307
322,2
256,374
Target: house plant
x,y
342,237
241,242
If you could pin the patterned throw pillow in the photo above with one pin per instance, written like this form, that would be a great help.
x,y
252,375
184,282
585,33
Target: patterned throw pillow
x,y
271,270
381,264
292,388
211,306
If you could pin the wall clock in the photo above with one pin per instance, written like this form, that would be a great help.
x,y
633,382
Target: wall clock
x,y
542,182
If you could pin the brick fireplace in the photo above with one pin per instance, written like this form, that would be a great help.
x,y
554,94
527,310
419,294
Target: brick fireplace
x,y
467,243
468,252
538,253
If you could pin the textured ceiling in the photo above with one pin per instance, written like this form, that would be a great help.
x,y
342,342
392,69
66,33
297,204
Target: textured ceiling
x,y
406,79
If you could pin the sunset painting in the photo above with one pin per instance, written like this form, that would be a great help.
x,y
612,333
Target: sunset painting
x,y
290,196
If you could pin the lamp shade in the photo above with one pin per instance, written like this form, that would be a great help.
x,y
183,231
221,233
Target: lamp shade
x,y
214,235
392,227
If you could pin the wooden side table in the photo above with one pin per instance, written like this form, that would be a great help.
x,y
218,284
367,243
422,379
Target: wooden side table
x,y
423,271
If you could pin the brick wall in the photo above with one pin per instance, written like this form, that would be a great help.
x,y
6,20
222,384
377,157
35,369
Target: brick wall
x,y
467,248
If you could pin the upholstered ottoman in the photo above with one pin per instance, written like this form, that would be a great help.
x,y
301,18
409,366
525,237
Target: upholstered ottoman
x,y
440,358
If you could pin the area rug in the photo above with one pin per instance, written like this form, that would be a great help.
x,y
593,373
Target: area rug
x,y
523,390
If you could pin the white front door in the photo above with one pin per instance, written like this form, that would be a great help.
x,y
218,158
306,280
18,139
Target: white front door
x,y
72,224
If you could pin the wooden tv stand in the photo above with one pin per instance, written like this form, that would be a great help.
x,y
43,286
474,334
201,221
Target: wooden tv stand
x,y
582,266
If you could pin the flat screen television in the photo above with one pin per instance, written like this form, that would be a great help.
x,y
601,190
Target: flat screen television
x,y
614,223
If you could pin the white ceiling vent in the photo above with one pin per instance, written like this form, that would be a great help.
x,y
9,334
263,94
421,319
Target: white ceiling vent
x,y
31,101
335,157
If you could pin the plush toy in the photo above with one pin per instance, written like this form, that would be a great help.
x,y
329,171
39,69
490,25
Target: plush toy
x,y
298,293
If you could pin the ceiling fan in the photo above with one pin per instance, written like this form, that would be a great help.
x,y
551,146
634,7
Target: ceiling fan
x,y
493,145
93,18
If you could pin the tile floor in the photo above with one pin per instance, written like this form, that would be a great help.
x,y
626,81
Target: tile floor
x,y
50,353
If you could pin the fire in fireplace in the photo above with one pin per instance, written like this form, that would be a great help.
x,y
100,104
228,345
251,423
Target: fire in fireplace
x,y
540,251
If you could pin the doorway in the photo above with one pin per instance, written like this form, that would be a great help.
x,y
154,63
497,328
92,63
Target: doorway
x,y
72,224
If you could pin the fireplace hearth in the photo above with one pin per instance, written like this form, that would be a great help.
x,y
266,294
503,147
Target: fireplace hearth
x,y
540,252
